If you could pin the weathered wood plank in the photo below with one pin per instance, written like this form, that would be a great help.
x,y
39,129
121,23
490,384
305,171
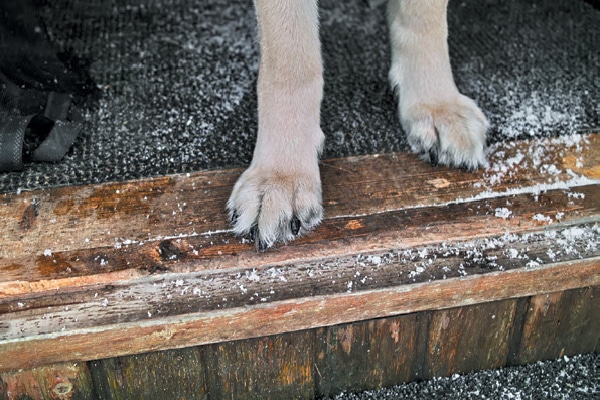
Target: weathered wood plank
x,y
291,315
560,323
171,295
336,237
173,374
370,354
169,274
112,215
273,367
59,381
377,352
469,338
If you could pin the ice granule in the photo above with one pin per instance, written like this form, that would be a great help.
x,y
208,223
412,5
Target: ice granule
x,y
374,260
252,276
573,233
513,253
502,212
542,218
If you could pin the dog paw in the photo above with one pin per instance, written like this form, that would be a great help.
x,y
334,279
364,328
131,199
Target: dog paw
x,y
452,133
273,206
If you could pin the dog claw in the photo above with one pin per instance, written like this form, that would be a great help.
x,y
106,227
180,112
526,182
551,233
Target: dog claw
x,y
295,226
259,245
433,156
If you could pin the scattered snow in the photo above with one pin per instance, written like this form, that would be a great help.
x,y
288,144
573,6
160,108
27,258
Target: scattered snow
x,y
502,213
374,260
512,253
542,218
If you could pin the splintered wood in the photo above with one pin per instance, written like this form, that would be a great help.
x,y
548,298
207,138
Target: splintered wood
x,y
125,268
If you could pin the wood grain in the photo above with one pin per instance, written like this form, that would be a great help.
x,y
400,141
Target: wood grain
x,y
564,323
127,268
290,315
58,381
374,353
175,374
151,210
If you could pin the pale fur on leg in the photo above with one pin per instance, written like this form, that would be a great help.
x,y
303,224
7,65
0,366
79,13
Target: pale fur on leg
x,y
279,195
442,124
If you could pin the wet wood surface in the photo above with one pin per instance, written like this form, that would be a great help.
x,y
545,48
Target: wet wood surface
x,y
416,271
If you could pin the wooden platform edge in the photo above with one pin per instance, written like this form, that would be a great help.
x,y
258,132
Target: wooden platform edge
x,y
294,315
55,291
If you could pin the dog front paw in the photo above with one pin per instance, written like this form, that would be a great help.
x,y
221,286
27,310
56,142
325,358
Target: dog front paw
x,y
274,206
451,133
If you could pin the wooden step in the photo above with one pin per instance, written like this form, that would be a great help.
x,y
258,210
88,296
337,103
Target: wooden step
x,y
118,269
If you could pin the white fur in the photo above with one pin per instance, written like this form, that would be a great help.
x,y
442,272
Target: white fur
x,y
279,195
432,111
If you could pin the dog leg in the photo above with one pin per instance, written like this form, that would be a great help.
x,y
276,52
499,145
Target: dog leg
x,y
279,196
442,124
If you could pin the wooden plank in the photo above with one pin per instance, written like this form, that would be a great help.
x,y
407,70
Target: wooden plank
x,y
370,354
384,352
58,381
174,374
336,237
102,218
559,324
170,275
356,356
291,315
177,295
274,367
471,338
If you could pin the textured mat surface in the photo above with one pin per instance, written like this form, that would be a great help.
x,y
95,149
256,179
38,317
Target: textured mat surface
x,y
178,80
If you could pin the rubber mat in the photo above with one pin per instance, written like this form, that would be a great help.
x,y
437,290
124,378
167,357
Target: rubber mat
x,y
178,80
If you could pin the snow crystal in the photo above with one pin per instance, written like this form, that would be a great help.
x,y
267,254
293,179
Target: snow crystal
x,y
573,233
502,213
512,253
374,260
542,218
252,276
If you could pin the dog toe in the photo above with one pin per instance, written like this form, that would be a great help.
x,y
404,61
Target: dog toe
x,y
270,208
451,133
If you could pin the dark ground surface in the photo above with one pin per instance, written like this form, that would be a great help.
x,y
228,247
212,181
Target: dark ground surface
x,y
177,79
569,378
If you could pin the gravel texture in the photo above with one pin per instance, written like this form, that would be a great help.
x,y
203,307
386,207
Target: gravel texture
x,y
568,378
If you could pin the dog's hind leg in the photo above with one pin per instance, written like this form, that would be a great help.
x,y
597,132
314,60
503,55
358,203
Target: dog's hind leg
x,y
442,124
279,196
